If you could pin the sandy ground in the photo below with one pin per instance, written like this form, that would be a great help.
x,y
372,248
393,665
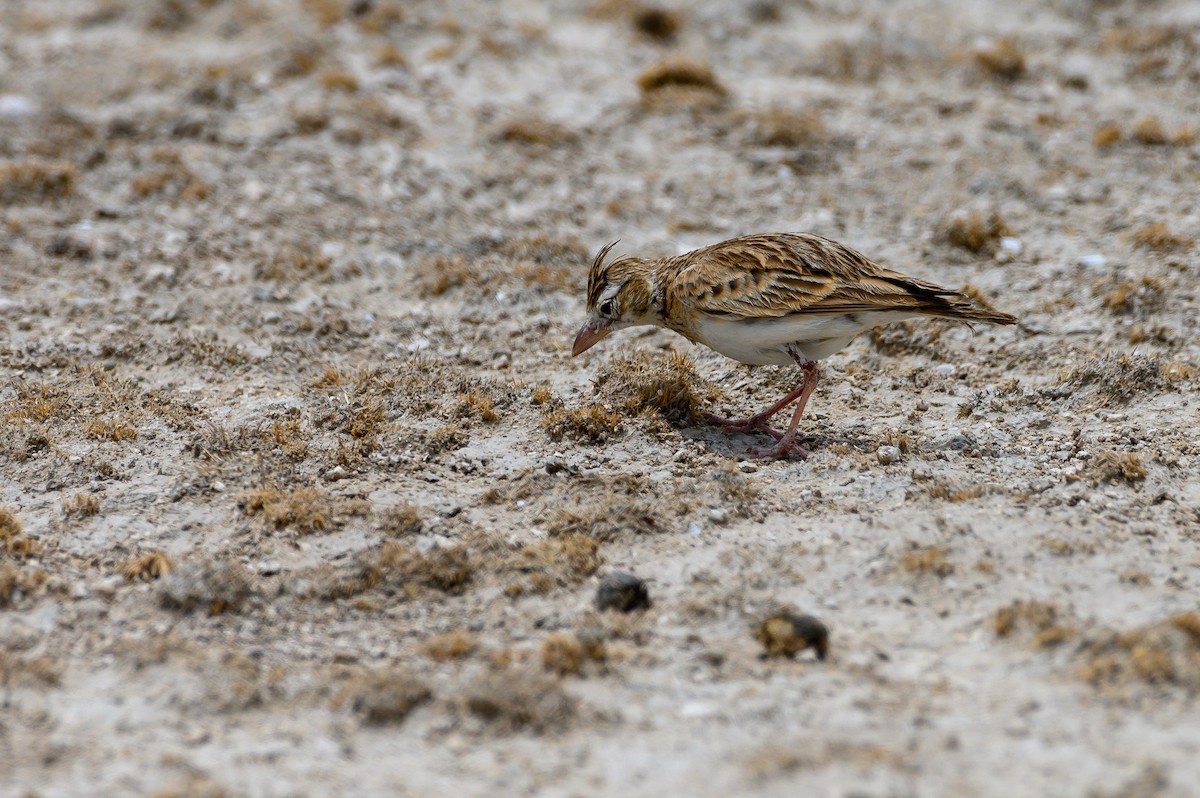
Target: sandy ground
x,y
303,495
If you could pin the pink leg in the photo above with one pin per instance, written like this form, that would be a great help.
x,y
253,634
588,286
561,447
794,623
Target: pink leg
x,y
786,443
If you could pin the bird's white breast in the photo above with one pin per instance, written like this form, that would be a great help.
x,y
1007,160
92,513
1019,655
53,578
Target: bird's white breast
x,y
764,342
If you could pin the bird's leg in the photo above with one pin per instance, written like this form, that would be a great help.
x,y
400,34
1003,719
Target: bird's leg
x,y
786,445
758,421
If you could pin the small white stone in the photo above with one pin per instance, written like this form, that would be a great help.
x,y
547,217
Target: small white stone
x,y
1092,261
336,473
718,515
746,467
945,369
694,529
218,487
15,107
1011,245
888,454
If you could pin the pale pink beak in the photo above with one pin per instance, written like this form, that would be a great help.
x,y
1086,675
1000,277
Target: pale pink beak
x,y
589,334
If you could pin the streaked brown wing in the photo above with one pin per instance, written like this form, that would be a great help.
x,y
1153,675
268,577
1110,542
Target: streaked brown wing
x,y
768,276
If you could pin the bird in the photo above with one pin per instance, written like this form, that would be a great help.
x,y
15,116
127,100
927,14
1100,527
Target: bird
x,y
765,299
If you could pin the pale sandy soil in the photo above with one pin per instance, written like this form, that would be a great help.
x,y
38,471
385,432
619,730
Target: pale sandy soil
x,y
287,292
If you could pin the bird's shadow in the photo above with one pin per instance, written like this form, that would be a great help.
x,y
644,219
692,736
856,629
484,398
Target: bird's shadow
x,y
739,445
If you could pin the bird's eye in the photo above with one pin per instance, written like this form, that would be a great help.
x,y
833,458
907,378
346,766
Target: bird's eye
x,y
607,308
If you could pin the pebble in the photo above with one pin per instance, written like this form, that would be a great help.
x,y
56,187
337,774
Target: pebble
x,y
218,487
622,591
15,107
1011,245
945,369
694,529
718,515
888,455
336,473
1092,261
746,467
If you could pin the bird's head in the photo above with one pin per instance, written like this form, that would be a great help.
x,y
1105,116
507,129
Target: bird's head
x,y
619,294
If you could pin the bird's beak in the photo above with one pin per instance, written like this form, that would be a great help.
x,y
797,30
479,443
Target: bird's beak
x,y
589,334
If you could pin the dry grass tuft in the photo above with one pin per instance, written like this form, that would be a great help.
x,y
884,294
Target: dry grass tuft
x,y
450,645
1158,237
403,520
306,509
1003,60
206,584
10,525
384,696
514,700
927,560
111,430
31,181
17,582
1151,132
1038,617
1164,653
1118,379
81,505
1117,467
563,561
668,386
35,672
1107,135
148,567
1136,297
567,654
589,424
779,126
973,233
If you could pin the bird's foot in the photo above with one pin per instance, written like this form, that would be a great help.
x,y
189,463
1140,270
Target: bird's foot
x,y
744,425
785,449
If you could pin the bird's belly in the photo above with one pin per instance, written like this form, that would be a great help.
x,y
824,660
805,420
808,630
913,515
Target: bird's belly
x,y
764,342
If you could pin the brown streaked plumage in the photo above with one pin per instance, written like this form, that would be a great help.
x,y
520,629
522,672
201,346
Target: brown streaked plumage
x,y
765,299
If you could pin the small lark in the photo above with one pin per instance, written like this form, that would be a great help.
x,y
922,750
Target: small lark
x,y
768,299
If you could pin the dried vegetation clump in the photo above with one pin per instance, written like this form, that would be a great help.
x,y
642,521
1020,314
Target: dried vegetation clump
x,y
668,387
1117,379
1158,237
779,126
397,568
1003,59
514,700
403,520
26,182
28,672
1040,621
447,646
588,424
15,544
81,505
1136,297
148,567
306,510
1164,653
209,585
1115,467
973,232
567,654
927,560
383,696
542,566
